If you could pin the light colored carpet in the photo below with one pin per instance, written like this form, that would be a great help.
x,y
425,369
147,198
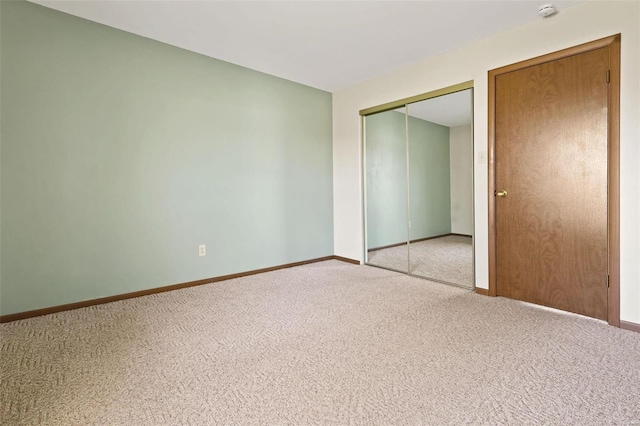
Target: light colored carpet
x,y
447,259
327,343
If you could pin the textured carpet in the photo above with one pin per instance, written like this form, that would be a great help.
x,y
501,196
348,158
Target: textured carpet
x,y
447,259
327,343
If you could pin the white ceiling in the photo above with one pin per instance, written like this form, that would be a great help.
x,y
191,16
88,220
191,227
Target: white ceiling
x,y
449,110
329,45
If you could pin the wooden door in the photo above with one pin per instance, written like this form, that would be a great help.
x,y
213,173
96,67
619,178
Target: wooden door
x,y
551,142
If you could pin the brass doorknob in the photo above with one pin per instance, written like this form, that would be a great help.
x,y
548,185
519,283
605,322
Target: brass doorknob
x,y
501,193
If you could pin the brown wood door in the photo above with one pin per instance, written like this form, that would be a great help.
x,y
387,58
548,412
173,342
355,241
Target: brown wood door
x,y
551,142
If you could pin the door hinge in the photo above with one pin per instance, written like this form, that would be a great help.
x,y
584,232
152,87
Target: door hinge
x,y
608,76
607,281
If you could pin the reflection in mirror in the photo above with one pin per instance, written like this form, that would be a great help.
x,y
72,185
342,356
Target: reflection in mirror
x,y
386,190
441,188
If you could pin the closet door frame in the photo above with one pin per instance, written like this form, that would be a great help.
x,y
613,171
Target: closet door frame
x,y
403,103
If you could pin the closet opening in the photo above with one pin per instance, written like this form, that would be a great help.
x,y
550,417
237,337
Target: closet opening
x,y
418,186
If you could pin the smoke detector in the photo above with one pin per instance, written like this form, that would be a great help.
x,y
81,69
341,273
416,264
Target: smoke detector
x,y
547,10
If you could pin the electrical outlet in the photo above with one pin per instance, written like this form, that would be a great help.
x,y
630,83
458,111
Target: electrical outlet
x,y
202,250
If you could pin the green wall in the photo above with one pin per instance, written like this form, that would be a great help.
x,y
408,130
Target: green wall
x,y
386,178
430,179
386,169
120,155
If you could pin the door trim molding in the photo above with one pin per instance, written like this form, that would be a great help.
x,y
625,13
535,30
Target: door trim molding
x,y
613,201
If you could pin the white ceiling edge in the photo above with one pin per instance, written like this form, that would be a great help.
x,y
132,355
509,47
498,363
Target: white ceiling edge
x,y
329,45
450,110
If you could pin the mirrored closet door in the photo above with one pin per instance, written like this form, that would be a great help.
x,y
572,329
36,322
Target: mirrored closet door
x,y
386,190
433,134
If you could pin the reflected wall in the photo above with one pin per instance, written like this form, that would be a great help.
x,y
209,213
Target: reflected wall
x,y
386,189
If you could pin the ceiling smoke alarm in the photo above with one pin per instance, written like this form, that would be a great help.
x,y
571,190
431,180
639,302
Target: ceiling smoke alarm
x,y
547,10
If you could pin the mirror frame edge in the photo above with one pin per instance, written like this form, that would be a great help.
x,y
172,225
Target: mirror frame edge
x,y
417,98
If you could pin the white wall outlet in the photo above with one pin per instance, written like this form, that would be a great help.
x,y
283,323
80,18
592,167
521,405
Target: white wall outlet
x,y
482,157
202,250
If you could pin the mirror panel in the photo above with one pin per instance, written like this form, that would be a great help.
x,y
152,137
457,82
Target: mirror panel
x,y
441,188
385,151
